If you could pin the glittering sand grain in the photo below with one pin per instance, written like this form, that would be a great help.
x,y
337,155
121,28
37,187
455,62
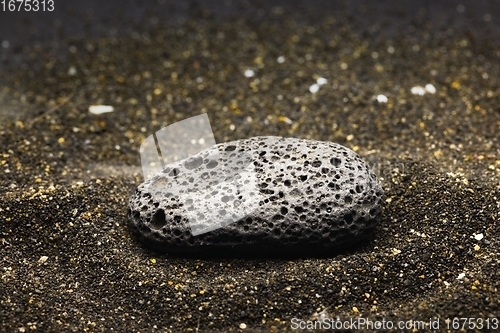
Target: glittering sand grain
x,y
68,259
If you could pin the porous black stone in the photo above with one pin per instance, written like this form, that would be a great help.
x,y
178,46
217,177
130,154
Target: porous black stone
x,y
313,197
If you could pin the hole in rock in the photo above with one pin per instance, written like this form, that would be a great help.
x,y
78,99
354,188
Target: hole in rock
x,y
158,220
336,161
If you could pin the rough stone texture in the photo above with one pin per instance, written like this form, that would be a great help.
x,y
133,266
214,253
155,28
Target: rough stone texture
x,y
304,196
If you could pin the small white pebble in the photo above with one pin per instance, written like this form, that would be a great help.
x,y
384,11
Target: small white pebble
x,y
72,71
314,88
418,90
249,73
321,81
99,109
382,98
430,88
461,276
280,59
5,44
479,236
43,259
391,49
243,326
232,127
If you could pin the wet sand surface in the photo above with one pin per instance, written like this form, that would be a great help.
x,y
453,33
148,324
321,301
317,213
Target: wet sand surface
x,y
68,259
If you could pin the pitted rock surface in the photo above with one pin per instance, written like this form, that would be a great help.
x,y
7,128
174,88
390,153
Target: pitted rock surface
x,y
297,196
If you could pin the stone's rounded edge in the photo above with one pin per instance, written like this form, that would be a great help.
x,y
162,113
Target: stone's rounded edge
x,y
259,245
258,235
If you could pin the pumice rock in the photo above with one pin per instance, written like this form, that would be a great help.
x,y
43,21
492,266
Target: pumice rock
x,y
263,195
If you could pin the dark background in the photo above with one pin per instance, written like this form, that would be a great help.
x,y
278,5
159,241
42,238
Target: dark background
x,y
81,19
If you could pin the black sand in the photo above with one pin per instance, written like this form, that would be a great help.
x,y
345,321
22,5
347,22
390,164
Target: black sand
x,y
68,259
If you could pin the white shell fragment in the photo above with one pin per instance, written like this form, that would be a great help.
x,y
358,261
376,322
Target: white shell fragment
x,y
382,99
429,88
100,109
249,73
321,81
421,91
418,90
314,88
479,236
